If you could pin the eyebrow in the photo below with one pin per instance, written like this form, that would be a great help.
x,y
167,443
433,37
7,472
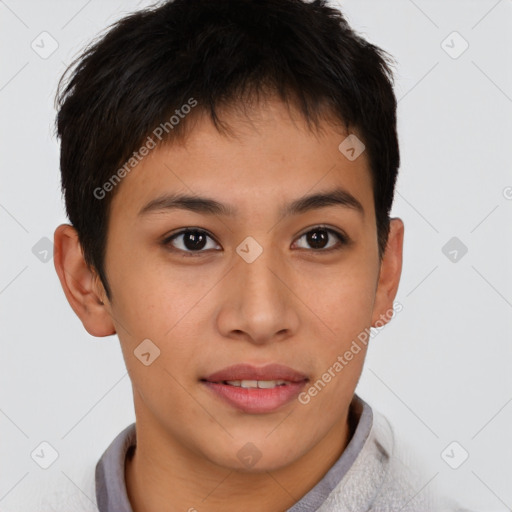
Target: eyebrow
x,y
208,206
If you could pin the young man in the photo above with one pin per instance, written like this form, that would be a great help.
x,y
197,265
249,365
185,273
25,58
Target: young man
x,y
228,168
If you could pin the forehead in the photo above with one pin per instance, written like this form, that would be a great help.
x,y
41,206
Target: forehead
x,y
268,159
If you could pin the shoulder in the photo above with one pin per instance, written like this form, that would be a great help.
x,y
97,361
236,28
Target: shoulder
x,y
386,477
98,485
74,492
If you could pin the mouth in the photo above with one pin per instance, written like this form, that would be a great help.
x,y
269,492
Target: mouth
x,y
256,390
254,384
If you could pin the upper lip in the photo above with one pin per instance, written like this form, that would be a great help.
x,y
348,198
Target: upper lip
x,y
249,372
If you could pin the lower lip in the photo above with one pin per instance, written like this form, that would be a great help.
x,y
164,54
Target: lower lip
x,y
256,400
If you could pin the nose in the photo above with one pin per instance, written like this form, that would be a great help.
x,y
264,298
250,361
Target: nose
x,y
259,304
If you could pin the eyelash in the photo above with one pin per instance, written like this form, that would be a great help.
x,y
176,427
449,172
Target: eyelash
x,y
343,240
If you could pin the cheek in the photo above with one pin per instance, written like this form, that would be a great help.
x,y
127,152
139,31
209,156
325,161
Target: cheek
x,y
344,298
153,303
344,303
151,310
150,297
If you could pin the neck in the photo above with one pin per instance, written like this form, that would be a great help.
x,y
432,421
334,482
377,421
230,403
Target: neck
x,y
176,480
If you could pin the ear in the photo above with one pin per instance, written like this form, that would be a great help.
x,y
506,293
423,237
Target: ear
x,y
389,277
81,284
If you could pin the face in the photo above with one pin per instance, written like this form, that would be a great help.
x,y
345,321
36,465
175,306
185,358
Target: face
x,y
248,273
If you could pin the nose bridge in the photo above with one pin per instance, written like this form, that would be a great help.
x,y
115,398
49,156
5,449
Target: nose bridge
x,y
259,306
259,289
258,279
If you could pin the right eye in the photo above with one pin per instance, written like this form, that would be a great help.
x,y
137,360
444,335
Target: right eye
x,y
190,241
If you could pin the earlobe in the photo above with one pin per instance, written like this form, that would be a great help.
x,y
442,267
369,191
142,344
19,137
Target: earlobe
x,y
390,272
80,283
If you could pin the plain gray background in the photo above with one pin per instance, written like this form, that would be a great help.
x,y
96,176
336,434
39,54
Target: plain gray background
x,y
441,371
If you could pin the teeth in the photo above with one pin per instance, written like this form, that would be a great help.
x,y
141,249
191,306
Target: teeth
x,y
249,383
267,384
262,384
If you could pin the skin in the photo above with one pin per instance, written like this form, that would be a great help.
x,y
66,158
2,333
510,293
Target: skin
x,y
294,305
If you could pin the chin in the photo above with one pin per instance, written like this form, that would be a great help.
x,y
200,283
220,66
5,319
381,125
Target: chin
x,y
253,458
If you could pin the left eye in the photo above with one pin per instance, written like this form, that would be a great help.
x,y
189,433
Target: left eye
x,y
318,239
192,240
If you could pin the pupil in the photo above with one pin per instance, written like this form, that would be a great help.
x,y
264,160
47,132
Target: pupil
x,y
317,239
194,240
